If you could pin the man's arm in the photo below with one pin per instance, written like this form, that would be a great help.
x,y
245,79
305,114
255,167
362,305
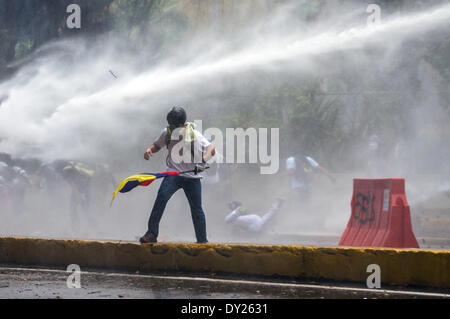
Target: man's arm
x,y
150,151
231,217
319,168
326,173
290,166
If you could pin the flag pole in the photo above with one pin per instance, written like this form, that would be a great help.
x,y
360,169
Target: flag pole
x,y
196,170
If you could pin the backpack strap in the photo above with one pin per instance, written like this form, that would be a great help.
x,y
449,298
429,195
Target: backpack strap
x,y
169,137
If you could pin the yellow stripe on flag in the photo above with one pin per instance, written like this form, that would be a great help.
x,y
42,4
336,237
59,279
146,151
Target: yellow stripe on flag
x,y
140,178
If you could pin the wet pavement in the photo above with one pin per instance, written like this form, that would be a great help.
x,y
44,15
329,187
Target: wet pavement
x,y
31,283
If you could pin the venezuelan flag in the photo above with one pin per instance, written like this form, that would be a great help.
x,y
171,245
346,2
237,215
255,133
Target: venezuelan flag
x,y
134,181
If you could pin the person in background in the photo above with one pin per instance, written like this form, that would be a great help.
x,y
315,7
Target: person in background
x,y
217,177
241,220
77,175
301,169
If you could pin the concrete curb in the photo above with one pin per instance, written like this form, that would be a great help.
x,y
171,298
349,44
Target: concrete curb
x,y
333,240
417,267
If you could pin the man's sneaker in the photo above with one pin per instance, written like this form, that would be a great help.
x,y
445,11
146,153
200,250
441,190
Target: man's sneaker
x,y
148,238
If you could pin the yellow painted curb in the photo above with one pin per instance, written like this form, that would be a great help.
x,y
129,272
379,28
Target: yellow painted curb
x,y
418,267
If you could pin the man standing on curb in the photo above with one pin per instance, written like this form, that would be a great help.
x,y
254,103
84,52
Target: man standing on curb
x,y
198,146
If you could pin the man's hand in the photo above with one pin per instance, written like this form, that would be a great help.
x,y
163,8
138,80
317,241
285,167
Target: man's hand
x,y
148,153
210,152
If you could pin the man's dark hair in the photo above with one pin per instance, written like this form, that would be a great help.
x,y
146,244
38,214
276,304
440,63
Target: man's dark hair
x,y
176,117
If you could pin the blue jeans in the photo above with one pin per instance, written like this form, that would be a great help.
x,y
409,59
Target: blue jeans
x,y
192,187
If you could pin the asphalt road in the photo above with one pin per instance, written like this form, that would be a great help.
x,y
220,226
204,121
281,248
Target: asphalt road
x,y
28,283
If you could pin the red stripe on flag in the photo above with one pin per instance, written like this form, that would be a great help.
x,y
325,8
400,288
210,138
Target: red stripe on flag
x,y
146,183
171,173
